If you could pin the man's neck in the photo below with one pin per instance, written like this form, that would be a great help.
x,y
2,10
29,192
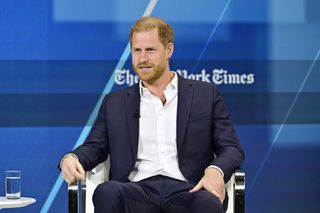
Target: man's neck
x,y
157,88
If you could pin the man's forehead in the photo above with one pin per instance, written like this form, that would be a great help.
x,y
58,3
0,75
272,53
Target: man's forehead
x,y
146,33
145,38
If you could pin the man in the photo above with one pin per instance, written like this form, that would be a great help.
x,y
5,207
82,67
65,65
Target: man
x,y
172,146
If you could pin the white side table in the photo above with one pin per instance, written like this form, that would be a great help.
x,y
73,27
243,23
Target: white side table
x,y
15,203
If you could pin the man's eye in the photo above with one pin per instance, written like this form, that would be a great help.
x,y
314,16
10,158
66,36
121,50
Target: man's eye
x,y
137,51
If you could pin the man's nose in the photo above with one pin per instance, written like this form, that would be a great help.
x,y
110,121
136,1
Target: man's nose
x,y
144,57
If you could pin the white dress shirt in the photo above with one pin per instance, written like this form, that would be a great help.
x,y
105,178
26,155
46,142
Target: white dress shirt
x,y
157,147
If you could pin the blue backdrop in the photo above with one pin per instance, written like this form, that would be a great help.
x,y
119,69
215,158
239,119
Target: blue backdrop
x,y
59,57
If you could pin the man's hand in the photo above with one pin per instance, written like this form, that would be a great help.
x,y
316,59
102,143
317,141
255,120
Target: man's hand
x,y
72,169
213,182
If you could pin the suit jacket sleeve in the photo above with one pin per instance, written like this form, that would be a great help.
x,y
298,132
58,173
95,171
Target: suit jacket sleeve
x,y
229,154
95,149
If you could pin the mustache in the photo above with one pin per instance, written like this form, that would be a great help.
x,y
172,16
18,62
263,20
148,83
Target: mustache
x,y
144,64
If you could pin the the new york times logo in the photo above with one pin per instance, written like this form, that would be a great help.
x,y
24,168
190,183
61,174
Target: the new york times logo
x,y
217,76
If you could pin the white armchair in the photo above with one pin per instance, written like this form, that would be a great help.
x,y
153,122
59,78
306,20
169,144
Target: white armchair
x,y
82,202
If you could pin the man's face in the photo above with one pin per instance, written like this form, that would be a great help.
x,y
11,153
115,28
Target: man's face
x,y
149,56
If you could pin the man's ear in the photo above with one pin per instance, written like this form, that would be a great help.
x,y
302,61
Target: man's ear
x,y
169,50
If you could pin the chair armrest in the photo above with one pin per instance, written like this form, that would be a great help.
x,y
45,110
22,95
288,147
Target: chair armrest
x,y
98,175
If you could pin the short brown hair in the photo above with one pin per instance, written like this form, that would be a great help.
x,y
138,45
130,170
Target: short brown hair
x,y
165,31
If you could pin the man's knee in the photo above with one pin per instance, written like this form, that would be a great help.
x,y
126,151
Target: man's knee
x,y
207,202
108,192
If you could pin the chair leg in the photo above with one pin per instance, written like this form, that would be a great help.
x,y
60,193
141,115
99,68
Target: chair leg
x,y
77,193
83,196
73,198
239,197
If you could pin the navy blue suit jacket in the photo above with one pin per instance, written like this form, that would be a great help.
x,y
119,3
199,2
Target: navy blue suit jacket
x,y
205,134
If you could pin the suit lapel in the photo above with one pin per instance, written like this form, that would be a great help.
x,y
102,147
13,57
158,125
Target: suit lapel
x,y
185,94
132,110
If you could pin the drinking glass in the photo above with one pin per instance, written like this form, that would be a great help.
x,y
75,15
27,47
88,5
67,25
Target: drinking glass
x,y
13,184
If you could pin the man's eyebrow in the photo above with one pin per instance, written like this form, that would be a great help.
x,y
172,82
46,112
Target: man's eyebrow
x,y
146,48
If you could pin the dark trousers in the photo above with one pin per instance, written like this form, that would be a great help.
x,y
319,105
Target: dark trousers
x,y
154,195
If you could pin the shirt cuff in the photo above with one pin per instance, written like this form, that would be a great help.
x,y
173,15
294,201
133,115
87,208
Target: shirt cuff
x,y
216,167
67,155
